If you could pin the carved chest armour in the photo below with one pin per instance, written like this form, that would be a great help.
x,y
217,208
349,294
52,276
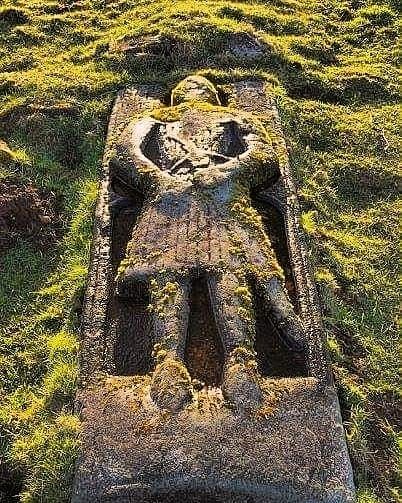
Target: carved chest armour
x,y
195,223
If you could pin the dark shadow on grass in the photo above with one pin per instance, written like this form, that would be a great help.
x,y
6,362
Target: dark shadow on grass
x,y
10,483
23,271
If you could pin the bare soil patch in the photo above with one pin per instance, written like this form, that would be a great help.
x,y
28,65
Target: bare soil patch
x,y
26,212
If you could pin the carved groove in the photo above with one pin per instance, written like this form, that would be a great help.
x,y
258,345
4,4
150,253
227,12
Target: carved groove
x,y
133,347
275,229
204,350
130,320
274,358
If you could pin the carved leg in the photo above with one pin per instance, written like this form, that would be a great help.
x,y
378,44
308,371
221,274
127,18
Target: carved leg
x,y
235,320
171,382
280,308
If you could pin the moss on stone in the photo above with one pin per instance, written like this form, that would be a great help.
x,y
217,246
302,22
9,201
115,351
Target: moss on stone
x,y
171,386
164,297
332,68
185,91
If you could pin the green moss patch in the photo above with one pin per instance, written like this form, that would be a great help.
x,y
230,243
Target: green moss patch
x,y
333,68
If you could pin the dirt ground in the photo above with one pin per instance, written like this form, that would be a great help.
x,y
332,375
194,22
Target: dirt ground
x,y
26,212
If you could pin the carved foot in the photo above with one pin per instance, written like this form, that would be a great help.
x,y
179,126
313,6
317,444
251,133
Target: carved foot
x,y
171,385
240,385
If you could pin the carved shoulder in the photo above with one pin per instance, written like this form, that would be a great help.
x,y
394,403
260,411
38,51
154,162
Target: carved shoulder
x,y
131,161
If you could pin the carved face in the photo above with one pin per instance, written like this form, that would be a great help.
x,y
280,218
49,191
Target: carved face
x,y
200,140
195,88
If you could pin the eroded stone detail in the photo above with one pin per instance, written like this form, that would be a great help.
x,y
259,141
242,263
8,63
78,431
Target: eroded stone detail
x,y
197,164
175,228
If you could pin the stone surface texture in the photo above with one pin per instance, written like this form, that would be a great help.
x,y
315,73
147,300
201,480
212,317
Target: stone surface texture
x,y
185,173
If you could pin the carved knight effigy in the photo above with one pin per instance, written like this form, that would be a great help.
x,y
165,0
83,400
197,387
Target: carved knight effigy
x,y
197,163
183,175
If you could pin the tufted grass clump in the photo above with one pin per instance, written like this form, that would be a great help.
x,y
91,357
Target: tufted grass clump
x,y
333,68
48,452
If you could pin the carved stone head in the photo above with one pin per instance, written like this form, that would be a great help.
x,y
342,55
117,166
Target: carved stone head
x,y
195,88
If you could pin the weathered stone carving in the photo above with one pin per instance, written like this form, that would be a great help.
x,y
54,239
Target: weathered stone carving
x,y
197,168
175,205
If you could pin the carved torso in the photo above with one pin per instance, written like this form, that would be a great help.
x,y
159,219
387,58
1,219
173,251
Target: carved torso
x,y
183,230
200,216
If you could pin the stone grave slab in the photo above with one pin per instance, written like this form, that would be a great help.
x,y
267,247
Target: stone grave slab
x,y
203,370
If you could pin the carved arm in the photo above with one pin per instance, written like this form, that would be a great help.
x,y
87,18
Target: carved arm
x,y
128,162
257,165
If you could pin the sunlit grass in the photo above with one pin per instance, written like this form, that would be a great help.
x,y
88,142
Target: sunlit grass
x,y
332,66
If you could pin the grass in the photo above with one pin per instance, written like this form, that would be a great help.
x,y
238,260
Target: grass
x,y
333,67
